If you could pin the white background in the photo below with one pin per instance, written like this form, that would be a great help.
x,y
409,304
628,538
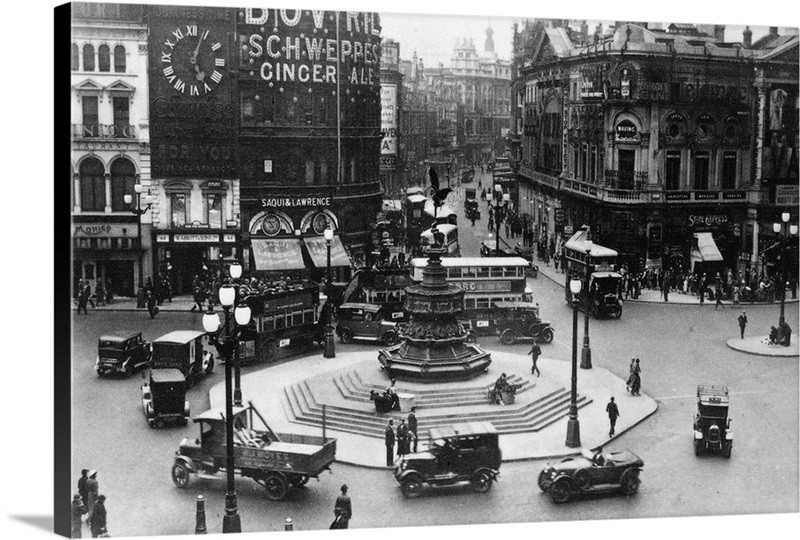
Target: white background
x,y
28,240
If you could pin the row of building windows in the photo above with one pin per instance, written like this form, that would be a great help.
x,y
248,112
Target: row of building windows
x,y
101,61
93,189
180,215
259,107
91,126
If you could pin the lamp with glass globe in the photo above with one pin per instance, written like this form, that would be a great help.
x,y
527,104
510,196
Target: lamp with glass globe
x,y
573,426
787,229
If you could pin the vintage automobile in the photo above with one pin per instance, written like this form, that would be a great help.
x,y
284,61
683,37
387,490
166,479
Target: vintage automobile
x,y
591,472
121,353
471,208
604,294
164,397
712,426
371,322
183,350
467,452
520,320
278,461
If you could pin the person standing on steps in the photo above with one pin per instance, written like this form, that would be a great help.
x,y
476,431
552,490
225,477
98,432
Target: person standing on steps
x,y
613,414
535,352
412,426
742,323
389,441
402,438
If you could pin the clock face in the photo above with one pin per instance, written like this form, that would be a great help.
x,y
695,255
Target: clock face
x,y
271,225
320,223
193,60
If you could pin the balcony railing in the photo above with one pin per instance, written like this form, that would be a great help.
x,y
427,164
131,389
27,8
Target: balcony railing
x,y
103,131
626,180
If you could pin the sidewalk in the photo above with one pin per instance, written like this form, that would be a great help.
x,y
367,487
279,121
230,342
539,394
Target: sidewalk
x,y
265,389
179,303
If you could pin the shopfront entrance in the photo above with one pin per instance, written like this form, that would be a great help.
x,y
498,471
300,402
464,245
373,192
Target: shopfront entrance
x,y
180,256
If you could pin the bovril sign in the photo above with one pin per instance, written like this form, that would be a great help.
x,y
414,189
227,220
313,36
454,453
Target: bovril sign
x,y
708,220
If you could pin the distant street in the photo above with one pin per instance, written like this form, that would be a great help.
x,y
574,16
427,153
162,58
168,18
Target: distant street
x,y
679,347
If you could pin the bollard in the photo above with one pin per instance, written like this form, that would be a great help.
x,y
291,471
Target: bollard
x,y
329,349
288,525
200,527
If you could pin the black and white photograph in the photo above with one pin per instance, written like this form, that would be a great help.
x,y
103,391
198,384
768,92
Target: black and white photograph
x,y
404,268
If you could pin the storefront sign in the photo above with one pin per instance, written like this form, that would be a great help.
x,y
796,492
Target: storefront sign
x,y
626,130
196,238
705,195
162,238
389,119
287,202
733,195
708,220
229,238
788,195
91,230
681,196
483,286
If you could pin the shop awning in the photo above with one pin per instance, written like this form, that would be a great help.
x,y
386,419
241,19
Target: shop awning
x,y
706,248
277,254
318,249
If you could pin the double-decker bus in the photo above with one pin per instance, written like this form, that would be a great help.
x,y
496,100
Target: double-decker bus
x,y
594,265
284,322
485,281
450,234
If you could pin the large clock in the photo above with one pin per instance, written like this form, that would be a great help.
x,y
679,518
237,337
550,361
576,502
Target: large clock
x,y
271,225
193,60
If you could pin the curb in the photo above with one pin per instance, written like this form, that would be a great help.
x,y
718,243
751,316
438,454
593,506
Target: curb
x,y
767,353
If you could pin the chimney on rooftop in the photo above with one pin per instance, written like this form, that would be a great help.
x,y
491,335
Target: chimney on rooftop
x,y
773,30
719,32
747,37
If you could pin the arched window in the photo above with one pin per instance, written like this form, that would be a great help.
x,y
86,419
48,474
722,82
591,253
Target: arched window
x,y
93,186
103,58
88,57
119,59
76,58
123,177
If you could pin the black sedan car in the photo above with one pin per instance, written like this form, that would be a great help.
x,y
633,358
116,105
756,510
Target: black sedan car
x,y
591,472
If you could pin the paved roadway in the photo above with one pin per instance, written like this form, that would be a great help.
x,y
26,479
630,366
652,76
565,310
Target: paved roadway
x,y
679,347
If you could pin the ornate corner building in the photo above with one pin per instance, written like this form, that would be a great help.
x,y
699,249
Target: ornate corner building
x,y
653,136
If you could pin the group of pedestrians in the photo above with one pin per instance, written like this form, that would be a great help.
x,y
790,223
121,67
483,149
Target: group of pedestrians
x,y
88,505
405,437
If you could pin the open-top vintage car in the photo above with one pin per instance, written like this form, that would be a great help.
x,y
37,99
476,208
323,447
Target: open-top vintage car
x,y
467,452
712,426
520,320
121,353
278,461
591,472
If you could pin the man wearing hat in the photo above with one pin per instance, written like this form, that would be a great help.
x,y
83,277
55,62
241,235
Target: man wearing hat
x,y
99,517
82,491
343,510
92,489
389,441
78,510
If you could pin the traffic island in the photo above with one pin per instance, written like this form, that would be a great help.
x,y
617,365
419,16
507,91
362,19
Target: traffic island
x,y
292,394
760,345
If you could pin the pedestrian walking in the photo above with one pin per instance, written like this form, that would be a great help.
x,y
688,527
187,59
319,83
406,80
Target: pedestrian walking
x,y
666,290
613,414
88,288
718,295
630,374
152,305
78,511
742,323
535,352
636,383
402,438
412,426
83,300
83,491
99,517
343,510
92,490
389,441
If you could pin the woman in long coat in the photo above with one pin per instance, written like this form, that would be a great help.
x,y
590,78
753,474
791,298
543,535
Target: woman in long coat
x,y
630,375
99,517
636,383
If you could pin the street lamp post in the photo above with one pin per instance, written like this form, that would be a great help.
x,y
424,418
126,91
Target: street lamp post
x,y
586,352
329,350
500,205
235,271
226,341
573,426
786,230
138,212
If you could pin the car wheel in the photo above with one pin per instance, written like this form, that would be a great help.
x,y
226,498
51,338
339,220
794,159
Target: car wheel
x,y
561,491
544,481
481,482
181,474
508,337
581,479
210,367
726,449
346,336
547,336
277,486
411,487
534,331
630,482
390,338
698,447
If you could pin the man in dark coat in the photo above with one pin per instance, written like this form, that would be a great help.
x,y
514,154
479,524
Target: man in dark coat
x,y
343,509
389,440
535,352
402,438
412,426
742,322
99,517
613,414
83,491
78,510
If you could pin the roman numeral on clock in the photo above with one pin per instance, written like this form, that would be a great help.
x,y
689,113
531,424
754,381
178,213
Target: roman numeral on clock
x,y
191,30
219,62
216,46
168,71
180,86
216,76
194,91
